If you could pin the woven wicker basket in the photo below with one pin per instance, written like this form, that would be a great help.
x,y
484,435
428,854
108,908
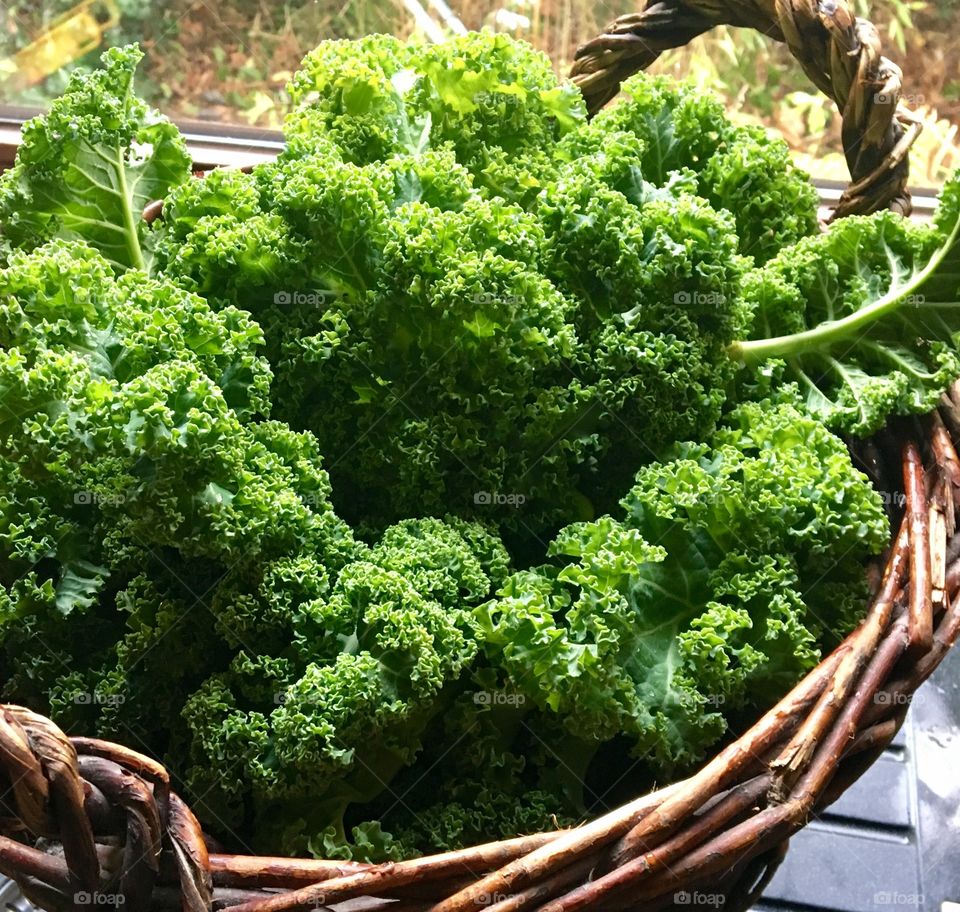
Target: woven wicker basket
x,y
89,823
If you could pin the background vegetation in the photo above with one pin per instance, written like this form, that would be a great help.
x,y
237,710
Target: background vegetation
x,y
230,61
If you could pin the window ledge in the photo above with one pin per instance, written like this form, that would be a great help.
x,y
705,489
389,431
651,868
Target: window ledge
x,y
210,145
229,145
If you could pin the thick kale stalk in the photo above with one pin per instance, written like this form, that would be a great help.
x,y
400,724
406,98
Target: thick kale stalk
x,y
864,318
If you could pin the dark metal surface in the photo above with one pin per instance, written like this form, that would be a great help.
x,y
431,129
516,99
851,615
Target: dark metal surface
x,y
10,898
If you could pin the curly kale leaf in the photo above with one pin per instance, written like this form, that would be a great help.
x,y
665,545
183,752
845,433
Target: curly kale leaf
x,y
755,535
324,726
503,783
655,290
753,176
527,306
63,297
685,135
498,102
86,168
494,101
356,93
863,317
127,451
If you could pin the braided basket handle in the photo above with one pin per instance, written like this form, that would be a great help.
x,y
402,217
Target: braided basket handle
x,y
839,52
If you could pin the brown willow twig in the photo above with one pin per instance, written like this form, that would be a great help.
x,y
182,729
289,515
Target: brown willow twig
x,y
717,775
547,889
797,754
796,757
385,879
766,827
944,639
248,871
920,606
729,808
760,871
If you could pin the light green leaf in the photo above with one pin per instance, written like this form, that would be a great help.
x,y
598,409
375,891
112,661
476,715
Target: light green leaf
x,y
86,169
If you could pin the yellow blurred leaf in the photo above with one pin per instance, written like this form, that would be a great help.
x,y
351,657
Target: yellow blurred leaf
x,y
262,103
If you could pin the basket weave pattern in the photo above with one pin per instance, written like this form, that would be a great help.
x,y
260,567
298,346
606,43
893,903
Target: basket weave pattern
x,y
86,822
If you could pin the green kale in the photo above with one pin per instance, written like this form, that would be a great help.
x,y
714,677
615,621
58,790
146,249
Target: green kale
x,y
495,101
755,537
325,725
131,466
461,300
86,169
862,318
685,134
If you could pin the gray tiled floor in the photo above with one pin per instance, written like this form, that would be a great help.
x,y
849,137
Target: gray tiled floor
x,y
893,841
